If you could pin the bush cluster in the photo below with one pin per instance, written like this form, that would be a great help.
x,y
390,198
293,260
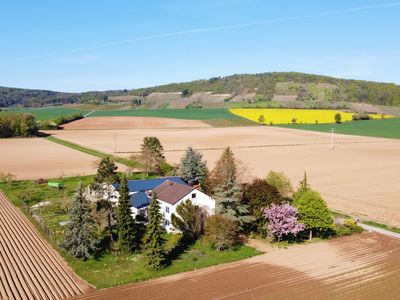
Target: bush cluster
x,y
22,125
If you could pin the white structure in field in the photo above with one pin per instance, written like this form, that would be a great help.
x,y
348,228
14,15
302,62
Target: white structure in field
x,y
170,192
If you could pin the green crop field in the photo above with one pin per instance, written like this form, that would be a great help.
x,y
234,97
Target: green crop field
x,y
47,113
388,128
188,114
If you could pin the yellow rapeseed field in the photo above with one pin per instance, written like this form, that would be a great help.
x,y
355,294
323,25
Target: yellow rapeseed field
x,y
285,116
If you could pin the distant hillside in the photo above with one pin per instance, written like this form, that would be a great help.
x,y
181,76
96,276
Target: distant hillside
x,y
37,98
279,87
289,86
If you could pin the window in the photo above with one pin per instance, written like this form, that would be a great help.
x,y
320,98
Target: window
x,y
166,223
167,209
193,195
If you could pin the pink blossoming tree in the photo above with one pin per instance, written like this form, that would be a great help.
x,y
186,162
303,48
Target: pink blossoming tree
x,y
282,221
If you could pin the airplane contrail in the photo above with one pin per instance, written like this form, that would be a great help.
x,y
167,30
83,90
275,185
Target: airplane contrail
x,y
221,28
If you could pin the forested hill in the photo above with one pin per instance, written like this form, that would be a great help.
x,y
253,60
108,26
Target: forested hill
x,y
37,98
263,86
267,85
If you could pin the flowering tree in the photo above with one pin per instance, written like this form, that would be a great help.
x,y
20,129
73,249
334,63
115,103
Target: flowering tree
x,y
282,221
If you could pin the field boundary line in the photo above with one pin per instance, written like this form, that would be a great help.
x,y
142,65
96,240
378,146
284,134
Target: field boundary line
x,y
89,113
117,159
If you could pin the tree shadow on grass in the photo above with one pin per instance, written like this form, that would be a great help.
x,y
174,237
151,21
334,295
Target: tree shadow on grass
x,y
181,247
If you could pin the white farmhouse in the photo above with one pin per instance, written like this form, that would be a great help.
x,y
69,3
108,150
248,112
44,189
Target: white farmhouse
x,y
170,194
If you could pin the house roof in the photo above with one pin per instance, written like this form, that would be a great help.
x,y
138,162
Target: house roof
x,y
140,199
171,192
149,184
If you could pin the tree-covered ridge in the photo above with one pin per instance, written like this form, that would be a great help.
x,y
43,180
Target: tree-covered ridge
x,y
265,85
10,96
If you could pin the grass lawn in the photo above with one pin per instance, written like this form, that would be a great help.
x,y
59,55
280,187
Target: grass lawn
x,y
383,226
188,114
387,128
112,270
46,113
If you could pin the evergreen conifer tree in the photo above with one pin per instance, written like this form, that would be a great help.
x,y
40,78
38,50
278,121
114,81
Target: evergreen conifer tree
x,y
228,203
128,231
102,185
192,168
154,242
80,240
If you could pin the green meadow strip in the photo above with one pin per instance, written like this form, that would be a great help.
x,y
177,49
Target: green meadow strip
x,y
117,159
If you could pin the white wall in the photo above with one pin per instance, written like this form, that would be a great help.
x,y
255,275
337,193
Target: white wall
x,y
200,199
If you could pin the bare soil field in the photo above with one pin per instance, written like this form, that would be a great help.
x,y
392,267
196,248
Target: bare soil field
x,y
29,267
38,158
359,176
365,266
132,122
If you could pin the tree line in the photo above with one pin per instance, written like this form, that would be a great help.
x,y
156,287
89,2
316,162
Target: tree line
x,y
18,125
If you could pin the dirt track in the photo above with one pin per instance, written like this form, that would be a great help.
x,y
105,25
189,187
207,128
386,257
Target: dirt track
x,y
29,267
360,176
365,266
132,122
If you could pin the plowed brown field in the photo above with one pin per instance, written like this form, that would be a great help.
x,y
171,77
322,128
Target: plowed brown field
x,y
38,158
133,122
366,266
29,267
360,176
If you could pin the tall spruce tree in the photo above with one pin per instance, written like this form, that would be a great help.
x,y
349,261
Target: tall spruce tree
x,y
102,185
228,203
128,231
152,154
154,252
192,168
80,239
106,172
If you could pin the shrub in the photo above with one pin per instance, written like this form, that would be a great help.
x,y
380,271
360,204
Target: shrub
x,y
258,195
281,182
220,232
360,116
282,222
314,213
338,118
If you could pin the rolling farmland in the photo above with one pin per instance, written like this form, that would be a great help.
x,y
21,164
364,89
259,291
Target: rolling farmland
x,y
46,113
342,175
389,128
365,266
29,267
188,114
38,158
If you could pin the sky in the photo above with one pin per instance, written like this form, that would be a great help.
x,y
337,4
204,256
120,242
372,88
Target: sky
x,y
76,46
